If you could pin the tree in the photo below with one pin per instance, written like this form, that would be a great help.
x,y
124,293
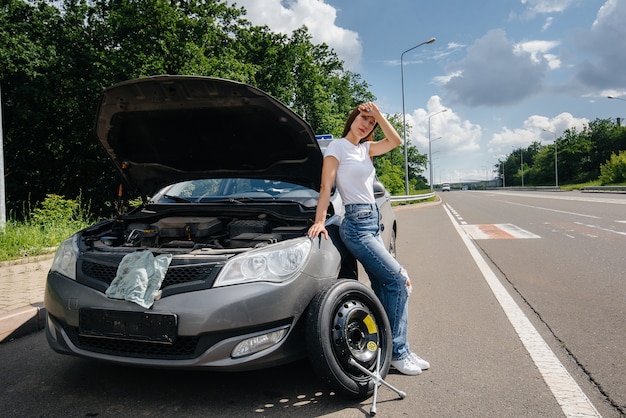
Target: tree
x,y
514,169
56,57
390,166
581,156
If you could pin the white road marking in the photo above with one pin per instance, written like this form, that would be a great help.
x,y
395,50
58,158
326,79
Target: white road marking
x,y
601,229
551,210
498,231
571,398
558,196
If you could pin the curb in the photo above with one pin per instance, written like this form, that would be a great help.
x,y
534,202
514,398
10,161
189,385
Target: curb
x,y
29,259
22,321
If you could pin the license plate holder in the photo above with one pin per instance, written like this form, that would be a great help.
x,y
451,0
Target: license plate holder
x,y
128,325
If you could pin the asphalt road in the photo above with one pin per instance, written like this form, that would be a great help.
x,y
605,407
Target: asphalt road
x,y
567,271
512,327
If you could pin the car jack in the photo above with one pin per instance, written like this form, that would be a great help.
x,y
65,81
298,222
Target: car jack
x,y
378,380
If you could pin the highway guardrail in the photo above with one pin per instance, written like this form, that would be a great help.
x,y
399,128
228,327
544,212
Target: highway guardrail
x,y
410,198
604,189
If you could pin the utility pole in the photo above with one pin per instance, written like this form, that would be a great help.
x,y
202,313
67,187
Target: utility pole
x,y
3,208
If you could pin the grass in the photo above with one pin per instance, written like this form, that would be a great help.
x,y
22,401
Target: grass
x,y
579,186
23,239
44,228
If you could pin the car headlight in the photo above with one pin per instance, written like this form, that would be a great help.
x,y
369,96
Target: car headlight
x,y
274,263
65,258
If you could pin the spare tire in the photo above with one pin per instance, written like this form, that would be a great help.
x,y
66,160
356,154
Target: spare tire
x,y
346,320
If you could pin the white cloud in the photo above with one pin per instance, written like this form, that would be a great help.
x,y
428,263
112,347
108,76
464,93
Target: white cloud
x,y
319,18
547,24
457,135
533,131
538,52
547,6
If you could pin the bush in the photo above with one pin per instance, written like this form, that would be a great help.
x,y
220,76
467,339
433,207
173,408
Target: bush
x,y
55,219
614,171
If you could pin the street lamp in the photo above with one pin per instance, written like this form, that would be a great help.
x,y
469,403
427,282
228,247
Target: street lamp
x,y
619,120
406,145
556,164
486,176
430,155
500,166
521,153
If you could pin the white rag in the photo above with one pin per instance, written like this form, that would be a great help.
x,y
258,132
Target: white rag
x,y
139,277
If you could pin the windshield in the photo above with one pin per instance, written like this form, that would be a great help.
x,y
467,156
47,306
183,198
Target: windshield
x,y
210,190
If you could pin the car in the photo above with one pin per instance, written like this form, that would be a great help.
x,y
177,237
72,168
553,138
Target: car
x,y
445,187
215,270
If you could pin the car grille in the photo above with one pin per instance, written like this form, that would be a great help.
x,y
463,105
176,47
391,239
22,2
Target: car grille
x,y
183,348
175,274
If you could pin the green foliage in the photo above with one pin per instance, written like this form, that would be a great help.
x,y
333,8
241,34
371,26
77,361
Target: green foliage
x,y
54,208
57,56
49,223
581,156
390,166
392,176
57,209
614,171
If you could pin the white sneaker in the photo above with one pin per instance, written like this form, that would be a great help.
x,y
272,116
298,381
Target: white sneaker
x,y
406,366
420,362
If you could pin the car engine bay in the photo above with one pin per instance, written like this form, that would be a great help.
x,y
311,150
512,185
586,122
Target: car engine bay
x,y
181,234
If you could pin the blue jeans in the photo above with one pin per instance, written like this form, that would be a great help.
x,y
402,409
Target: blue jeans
x,y
360,232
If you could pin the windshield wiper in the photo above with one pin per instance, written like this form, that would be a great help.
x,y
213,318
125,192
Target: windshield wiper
x,y
177,199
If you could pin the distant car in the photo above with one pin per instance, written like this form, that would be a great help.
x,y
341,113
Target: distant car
x,y
445,187
234,180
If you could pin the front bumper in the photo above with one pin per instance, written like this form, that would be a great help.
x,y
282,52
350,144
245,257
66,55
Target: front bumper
x,y
211,323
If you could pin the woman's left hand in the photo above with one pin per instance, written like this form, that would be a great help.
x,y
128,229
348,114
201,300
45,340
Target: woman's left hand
x,y
369,109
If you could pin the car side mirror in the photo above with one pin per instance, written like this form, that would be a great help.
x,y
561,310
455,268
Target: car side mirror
x,y
379,189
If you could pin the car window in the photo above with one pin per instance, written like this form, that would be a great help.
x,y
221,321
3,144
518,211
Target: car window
x,y
193,190
206,190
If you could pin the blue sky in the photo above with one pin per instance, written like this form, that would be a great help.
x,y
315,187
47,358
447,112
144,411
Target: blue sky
x,y
505,70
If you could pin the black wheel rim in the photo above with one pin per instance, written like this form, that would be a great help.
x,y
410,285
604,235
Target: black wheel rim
x,y
355,334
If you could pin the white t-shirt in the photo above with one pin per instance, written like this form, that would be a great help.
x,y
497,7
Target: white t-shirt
x,y
355,174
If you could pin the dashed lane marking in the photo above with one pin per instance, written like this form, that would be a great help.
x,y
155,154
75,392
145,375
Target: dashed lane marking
x,y
599,228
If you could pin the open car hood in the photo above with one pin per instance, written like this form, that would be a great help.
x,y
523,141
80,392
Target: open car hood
x,y
165,129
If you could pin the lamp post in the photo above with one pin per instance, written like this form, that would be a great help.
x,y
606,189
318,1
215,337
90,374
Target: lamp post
x,y
499,166
619,120
3,211
406,145
521,153
430,155
486,176
556,164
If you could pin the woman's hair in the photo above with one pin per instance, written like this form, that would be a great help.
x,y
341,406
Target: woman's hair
x,y
356,112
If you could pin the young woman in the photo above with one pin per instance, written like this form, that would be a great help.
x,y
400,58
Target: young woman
x,y
348,164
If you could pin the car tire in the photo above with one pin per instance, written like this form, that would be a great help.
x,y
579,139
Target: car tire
x,y
346,320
